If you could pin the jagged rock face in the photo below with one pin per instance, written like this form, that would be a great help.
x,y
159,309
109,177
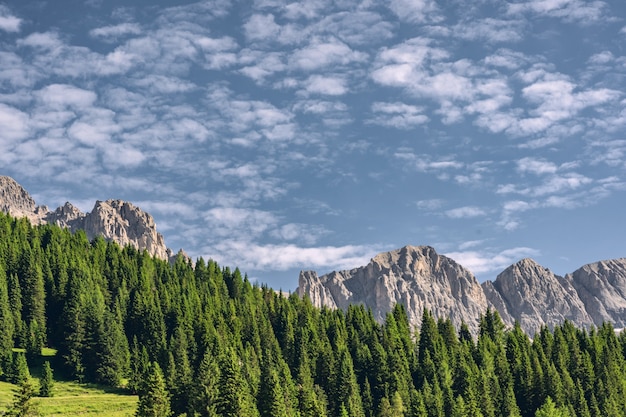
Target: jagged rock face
x,y
115,220
602,287
15,200
534,296
67,216
416,277
126,224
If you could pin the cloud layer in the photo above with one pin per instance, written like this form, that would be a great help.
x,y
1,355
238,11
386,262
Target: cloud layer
x,y
279,136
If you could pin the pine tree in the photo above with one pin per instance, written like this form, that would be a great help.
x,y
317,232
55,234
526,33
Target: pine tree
x,y
234,395
155,401
23,405
549,409
19,369
46,381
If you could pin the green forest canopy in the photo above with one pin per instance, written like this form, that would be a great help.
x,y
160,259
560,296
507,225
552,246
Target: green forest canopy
x,y
202,340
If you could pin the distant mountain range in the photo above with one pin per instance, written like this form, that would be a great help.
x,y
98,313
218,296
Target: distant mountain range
x,y
416,276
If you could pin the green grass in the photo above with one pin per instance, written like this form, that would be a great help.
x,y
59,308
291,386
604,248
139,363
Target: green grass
x,y
74,399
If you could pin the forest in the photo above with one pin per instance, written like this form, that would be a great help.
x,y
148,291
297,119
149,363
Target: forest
x,y
199,339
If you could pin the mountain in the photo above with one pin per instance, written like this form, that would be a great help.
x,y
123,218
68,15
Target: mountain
x,y
534,296
602,288
115,220
525,292
416,276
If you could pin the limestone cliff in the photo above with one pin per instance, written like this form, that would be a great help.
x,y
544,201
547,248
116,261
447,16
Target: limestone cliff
x,y
534,296
417,277
602,288
115,220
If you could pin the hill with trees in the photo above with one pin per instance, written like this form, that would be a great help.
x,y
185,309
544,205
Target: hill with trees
x,y
201,339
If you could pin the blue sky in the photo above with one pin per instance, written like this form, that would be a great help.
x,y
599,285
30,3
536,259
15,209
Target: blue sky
x,y
278,136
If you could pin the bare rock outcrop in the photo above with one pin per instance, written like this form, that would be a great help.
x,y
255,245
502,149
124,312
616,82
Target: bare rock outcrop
x,y
115,220
126,224
16,201
534,296
415,276
602,288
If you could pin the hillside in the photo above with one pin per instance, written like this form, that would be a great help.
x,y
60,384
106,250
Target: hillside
x,y
202,340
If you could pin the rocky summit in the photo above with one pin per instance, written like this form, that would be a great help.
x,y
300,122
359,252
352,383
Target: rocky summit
x,y
115,220
525,292
416,276
534,296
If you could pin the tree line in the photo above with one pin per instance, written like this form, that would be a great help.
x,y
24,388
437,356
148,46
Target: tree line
x,y
197,339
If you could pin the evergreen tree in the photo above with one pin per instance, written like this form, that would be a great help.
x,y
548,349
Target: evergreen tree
x,y
234,395
46,381
549,409
155,401
19,369
7,324
23,405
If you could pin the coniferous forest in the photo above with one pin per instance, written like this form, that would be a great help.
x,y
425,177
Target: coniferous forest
x,y
199,339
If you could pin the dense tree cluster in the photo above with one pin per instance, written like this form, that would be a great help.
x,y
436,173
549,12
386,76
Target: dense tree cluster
x,y
202,340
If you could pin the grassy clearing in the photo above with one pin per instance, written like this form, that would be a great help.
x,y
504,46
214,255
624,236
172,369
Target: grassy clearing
x,y
73,399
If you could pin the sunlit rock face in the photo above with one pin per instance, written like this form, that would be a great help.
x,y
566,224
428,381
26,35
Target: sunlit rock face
x,y
534,296
115,220
602,288
525,292
415,276
16,201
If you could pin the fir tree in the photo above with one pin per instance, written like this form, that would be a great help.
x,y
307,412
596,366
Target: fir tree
x,y
549,409
46,381
23,405
155,401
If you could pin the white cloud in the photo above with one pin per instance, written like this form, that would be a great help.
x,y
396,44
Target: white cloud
x,y
326,85
582,11
465,212
324,53
398,115
480,262
283,257
416,11
425,163
8,21
15,124
356,27
430,205
114,32
261,27
489,30
61,96
536,166
235,223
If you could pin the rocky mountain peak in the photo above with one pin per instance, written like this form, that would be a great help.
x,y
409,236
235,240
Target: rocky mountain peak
x,y
534,296
602,287
415,276
15,200
115,220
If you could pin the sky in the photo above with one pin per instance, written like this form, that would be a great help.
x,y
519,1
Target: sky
x,y
279,136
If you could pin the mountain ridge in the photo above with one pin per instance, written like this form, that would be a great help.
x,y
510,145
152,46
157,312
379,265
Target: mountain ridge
x,y
416,276
524,292
116,220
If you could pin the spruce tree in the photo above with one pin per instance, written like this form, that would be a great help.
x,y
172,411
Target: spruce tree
x,y
19,369
23,405
549,409
46,381
155,401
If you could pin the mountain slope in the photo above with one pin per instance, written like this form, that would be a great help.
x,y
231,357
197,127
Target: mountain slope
x,y
115,220
534,296
415,276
